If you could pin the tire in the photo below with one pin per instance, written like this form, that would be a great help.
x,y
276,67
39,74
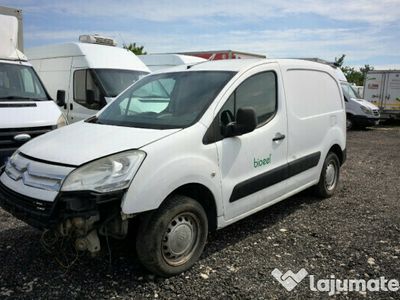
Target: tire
x,y
349,122
329,178
163,244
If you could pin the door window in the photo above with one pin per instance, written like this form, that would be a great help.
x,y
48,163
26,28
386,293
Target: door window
x,y
84,82
258,92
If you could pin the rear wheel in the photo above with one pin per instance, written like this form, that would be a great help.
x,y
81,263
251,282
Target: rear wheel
x,y
171,239
329,178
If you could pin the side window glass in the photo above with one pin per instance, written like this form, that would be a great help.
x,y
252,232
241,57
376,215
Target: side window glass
x,y
84,83
227,112
259,92
80,86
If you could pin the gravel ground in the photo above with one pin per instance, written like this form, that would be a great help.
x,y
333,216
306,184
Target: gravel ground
x,y
355,234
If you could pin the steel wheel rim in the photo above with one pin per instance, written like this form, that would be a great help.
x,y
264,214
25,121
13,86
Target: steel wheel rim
x,y
181,239
331,175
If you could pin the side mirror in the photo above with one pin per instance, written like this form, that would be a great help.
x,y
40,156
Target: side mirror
x,y
246,121
60,98
90,97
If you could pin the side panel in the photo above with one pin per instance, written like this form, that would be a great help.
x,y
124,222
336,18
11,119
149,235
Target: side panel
x,y
392,92
316,119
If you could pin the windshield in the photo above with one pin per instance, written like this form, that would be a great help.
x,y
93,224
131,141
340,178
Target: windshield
x,y
349,91
19,82
115,81
168,100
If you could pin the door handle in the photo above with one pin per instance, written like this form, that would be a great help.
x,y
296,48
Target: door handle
x,y
71,107
278,137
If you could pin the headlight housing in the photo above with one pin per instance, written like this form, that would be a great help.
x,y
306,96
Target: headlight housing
x,y
61,121
107,174
366,110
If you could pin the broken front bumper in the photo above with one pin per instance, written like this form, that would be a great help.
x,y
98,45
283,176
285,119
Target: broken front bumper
x,y
67,205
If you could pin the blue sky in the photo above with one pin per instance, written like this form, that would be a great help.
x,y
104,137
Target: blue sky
x,y
367,31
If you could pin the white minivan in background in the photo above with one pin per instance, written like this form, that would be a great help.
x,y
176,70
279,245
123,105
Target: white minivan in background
x,y
85,76
26,109
359,113
183,152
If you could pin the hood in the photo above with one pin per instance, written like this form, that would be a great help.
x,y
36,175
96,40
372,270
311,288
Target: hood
x,y
22,114
366,103
82,142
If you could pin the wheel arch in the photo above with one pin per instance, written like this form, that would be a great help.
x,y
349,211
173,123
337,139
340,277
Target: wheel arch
x,y
204,196
341,154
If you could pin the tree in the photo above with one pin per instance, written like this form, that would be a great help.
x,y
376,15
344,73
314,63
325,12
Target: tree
x,y
339,60
136,49
353,76
366,69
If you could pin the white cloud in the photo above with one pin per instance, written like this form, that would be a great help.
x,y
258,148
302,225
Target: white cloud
x,y
324,43
373,35
373,12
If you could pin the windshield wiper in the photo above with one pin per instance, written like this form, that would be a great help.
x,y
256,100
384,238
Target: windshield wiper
x,y
20,98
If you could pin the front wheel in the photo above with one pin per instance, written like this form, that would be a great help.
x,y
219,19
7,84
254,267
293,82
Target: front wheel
x,y
171,239
349,122
329,178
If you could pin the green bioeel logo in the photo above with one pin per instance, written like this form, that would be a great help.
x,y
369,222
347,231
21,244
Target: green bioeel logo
x,y
262,162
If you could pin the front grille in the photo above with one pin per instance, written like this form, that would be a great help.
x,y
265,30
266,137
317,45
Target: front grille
x,y
375,112
24,202
7,141
34,212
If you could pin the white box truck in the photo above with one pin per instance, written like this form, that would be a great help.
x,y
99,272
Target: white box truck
x,y
382,88
26,109
229,138
85,76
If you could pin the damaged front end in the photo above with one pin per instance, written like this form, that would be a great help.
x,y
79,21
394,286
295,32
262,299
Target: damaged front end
x,y
81,216
80,203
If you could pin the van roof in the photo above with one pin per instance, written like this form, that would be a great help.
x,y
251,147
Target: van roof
x,y
244,64
97,56
169,59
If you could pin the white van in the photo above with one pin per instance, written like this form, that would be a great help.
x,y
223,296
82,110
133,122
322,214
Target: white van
x,y
157,62
26,109
360,113
184,152
85,76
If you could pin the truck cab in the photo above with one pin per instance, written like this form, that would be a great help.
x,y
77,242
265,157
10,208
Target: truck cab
x,y
26,109
85,76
